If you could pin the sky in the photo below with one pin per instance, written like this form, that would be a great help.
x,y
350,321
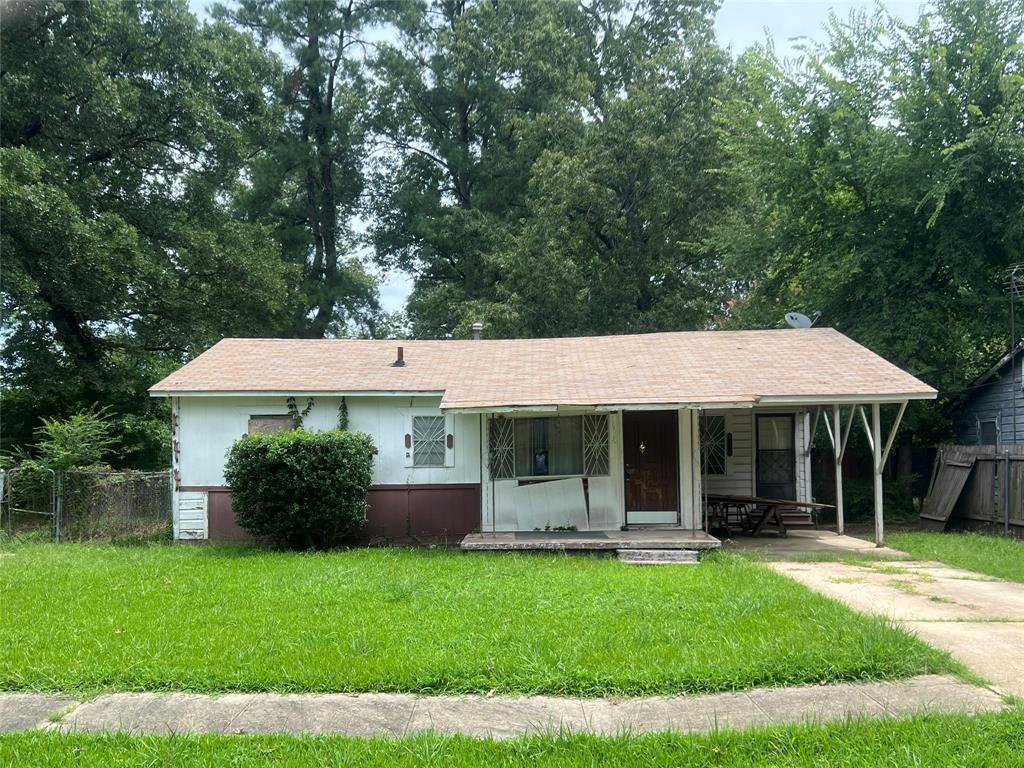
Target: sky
x,y
740,24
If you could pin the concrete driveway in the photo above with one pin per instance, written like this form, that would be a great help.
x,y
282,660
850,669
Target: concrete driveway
x,y
979,620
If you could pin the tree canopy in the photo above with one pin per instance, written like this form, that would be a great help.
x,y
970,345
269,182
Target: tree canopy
x,y
548,167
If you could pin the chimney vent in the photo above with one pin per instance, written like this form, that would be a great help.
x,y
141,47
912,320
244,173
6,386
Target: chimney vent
x,y
400,361
478,330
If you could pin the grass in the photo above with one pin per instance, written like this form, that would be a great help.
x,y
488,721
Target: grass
x,y
991,555
946,741
93,618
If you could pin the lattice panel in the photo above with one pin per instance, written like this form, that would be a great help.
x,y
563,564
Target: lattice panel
x,y
595,445
502,449
712,443
428,441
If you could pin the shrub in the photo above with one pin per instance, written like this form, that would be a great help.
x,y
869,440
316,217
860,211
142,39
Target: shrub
x,y
301,490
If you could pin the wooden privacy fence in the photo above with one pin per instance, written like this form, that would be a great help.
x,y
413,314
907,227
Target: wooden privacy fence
x,y
977,484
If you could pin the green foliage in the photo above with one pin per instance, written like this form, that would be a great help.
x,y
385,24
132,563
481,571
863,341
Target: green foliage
x,y
343,415
881,183
308,178
125,127
302,490
554,165
83,441
297,415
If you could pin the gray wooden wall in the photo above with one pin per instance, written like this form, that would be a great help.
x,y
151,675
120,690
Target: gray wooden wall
x,y
994,400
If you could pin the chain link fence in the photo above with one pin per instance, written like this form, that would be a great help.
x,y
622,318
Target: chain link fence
x,y
83,505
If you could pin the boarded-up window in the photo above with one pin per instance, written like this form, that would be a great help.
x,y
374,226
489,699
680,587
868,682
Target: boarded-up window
x,y
428,441
501,449
713,444
266,425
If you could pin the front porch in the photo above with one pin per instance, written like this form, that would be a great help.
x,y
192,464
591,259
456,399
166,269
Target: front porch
x,y
646,538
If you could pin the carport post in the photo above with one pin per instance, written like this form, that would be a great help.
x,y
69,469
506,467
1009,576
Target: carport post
x,y
876,450
838,444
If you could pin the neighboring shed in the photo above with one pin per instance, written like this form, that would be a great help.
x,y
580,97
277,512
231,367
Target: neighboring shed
x,y
992,410
979,481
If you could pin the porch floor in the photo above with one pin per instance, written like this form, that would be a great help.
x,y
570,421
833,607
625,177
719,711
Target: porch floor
x,y
653,538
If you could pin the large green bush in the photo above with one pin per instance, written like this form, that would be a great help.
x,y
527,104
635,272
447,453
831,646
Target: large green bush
x,y
299,489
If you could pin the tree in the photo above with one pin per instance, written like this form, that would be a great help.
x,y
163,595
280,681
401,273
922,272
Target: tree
x,y
551,164
618,217
466,100
308,180
881,184
125,126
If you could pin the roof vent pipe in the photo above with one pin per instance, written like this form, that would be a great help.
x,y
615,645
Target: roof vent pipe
x,y
400,361
478,330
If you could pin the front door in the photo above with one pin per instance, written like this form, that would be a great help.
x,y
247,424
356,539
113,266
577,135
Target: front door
x,y
650,446
776,457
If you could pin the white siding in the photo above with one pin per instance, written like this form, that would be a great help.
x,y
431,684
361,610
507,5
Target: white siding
x,y
208,426
740,478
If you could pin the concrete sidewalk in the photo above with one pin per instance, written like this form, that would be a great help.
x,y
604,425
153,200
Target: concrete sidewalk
x,y
374,714
977,619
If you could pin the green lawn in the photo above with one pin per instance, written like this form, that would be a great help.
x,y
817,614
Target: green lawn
x,y
923,742
992,555
218,618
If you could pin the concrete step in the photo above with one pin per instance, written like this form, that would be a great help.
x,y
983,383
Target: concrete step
x,y
659,556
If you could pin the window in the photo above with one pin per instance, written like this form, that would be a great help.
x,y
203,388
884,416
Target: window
x,y
987,433
551,445
595,445
428,441
267,425
502,449
713,444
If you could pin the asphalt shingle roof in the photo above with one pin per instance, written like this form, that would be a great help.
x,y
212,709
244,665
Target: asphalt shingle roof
x,y
700,367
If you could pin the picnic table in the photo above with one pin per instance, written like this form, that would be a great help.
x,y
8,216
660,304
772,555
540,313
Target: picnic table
x,y
754,514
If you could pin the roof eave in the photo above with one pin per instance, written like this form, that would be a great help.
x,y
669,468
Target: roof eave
x,y
154,392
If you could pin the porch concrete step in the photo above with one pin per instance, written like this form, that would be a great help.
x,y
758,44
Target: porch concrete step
x,y
659,556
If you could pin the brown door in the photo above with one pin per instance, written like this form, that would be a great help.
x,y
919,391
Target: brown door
x,y
650,445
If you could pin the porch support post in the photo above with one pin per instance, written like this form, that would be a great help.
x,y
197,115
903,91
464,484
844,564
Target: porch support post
x,y
838,446
876,450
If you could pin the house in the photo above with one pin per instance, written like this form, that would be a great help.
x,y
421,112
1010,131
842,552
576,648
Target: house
x,y
991,412
592,433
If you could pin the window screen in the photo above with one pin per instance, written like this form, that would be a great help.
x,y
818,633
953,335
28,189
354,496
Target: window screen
x,y
987,434
428,440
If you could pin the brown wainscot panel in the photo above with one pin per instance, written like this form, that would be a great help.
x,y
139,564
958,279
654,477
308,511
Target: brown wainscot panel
x,y
397,513
420,512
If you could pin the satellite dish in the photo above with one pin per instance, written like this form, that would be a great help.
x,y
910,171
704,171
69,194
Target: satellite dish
x,y
799,320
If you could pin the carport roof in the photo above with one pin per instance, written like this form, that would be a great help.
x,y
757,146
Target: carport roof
x,y
699,368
